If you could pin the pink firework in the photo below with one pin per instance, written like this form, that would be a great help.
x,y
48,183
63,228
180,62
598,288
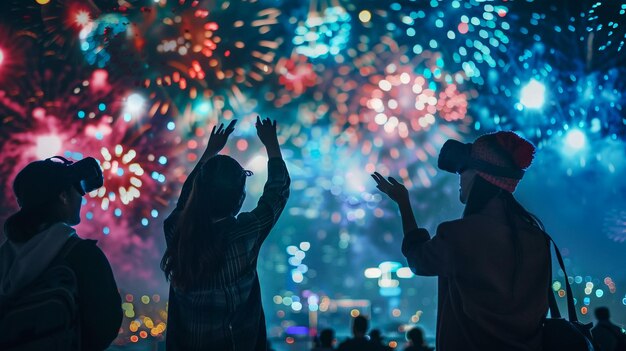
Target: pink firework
x,y
68,112
296,74
408,97
399,109
47,112
13,45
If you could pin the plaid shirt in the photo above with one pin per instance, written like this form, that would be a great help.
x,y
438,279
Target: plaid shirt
x,y
225,311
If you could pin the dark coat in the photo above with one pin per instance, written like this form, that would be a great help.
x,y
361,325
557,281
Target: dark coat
x,y
99,302
481,305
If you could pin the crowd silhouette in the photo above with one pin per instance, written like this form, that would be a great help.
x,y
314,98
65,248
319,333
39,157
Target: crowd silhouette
x,y
373,341
57,291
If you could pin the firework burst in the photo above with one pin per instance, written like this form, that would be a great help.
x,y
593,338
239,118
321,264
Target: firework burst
x,y
394,106
57,24
615,225
554,78
205,47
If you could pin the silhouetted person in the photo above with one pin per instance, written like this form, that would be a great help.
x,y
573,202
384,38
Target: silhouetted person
x,y
212,251
377,340
607,335
48,275
326,339
494,263
416,337
359,342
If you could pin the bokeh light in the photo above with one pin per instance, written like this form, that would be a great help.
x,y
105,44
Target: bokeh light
x,y
575,139
533,94
48,146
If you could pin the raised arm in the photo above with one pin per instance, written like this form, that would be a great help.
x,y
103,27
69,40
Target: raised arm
x,y
276,190
217,141
424,255
400,195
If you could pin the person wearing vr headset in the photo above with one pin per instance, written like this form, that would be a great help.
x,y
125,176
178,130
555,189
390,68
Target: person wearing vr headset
x,y
41,236
493,264
212,249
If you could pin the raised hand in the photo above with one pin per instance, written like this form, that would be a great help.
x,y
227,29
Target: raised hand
x,y
219,137
266,130
396,191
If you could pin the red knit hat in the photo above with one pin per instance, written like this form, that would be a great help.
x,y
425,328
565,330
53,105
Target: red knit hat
x,y
505,149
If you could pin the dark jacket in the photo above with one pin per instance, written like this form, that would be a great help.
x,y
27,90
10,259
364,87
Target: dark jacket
x,y
481,306
99,301
224,312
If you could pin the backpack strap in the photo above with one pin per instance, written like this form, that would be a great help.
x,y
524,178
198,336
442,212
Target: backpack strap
x,y
554,309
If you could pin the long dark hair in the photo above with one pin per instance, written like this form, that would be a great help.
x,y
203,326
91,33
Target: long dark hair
x,y
482,192
197,248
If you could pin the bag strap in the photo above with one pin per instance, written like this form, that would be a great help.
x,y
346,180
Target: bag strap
x,y
554,309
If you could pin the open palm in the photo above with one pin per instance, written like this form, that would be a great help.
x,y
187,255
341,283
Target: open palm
x,y
219,137
394,189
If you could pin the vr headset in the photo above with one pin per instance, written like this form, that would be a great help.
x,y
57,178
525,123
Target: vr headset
x,y
86,174
455,157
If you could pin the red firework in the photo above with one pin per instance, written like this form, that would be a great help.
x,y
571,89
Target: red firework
x,y
296,74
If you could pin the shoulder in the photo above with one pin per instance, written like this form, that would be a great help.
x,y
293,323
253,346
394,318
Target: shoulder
x,y
465,224
451,228
85,250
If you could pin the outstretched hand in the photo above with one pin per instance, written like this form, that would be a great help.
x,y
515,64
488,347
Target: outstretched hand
x,y
219,137
266,130
394,189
